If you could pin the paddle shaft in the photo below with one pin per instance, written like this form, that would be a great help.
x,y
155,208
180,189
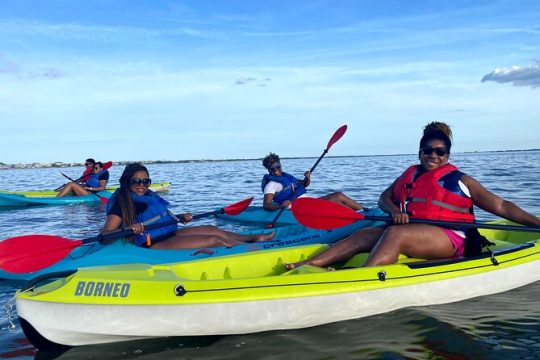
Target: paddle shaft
x,y
129,232
459,224
335,137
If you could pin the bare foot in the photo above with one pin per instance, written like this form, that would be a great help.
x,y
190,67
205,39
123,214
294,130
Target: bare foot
x,y
293,266
264,237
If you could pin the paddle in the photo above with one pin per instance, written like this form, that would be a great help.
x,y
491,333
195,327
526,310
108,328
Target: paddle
x,y
324,214
107,165
101,198
28,253
337,135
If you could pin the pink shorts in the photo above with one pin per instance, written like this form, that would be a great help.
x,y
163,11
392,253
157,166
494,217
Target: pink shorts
x,y
457,241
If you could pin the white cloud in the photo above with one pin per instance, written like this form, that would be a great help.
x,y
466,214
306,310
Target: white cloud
x,y
517,75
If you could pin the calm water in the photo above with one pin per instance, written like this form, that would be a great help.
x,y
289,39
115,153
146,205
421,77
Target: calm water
x,y
503,326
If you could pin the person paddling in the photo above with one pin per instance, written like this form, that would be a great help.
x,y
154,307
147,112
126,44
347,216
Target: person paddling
x,y
280,188
431,190
133,205
95,182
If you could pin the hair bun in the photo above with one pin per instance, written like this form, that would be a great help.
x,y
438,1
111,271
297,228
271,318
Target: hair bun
x,y
438,126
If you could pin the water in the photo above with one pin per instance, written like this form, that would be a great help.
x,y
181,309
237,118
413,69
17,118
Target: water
x,y
502,326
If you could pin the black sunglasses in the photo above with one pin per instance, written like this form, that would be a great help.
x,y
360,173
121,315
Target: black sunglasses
x,y
136,181
439,151
274,167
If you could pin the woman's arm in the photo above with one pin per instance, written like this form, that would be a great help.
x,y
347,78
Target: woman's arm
x,y
307,179
112,224
269,204
488,201
386,203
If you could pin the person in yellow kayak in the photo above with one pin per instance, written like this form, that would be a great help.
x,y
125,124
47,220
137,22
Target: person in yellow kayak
x,y
432,190
280,188
95,182
132,205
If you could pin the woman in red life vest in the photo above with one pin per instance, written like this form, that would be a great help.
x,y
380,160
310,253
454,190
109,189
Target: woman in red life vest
x,y
433,190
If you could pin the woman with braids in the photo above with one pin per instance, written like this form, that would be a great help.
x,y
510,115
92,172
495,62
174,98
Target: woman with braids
x,y
133,205
280,188
433,190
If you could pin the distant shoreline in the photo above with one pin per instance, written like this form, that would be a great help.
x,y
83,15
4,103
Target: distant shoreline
x,y
59,164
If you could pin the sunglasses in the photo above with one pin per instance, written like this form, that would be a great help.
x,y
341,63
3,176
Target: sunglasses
x,y
439,151
137,182
275,167
87,164
97,168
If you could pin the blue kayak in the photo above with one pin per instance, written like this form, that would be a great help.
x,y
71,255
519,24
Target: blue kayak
x,y
16,200
122,252
258,215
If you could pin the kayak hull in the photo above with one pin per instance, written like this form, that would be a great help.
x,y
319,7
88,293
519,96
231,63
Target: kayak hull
x,y
253,293
15,200
122,252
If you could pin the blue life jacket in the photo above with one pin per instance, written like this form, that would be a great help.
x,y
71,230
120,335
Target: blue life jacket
x,y
292,187
93,180
156,212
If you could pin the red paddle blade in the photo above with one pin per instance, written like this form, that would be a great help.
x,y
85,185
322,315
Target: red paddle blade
x,y
28,253
323,214
107,165
337,135
237,208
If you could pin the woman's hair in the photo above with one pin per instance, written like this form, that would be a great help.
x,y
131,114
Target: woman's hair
x,y
127,205
437,131
270,159
99,163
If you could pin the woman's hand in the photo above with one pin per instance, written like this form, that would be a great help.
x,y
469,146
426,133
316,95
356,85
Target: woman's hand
x,y
307,174
400,218
137,228
187,217
286,204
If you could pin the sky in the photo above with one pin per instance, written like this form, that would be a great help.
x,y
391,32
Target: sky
x,y
190,80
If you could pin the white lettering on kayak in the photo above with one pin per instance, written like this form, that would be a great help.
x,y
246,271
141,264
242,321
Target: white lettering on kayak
x,y
99,288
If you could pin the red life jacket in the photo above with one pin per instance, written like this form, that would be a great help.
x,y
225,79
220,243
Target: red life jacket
x,y
425,198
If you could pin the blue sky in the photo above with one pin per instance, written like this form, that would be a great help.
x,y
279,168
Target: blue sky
x,y
177,80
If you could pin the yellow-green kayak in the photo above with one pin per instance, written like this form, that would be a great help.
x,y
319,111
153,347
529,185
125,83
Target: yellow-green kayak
x,y
253,292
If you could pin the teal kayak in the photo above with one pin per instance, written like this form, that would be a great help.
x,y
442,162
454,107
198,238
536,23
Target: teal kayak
x,y
16,200
122,252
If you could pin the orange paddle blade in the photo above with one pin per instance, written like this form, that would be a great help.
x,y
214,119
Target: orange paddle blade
x,y
337,135
29,253
235,209
323,214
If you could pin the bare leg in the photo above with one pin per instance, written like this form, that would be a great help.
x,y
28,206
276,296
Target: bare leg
x,y
210,230
341,198
194,242
72,188
361,241
416,240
